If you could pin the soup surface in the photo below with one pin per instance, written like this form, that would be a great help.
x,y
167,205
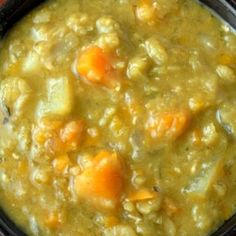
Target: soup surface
x,y
117,118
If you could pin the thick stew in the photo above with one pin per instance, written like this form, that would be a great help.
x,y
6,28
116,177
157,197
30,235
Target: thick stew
x,y
118,118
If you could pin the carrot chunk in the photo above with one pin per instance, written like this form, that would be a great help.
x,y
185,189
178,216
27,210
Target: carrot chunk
x,y
94,64
102,183
168,125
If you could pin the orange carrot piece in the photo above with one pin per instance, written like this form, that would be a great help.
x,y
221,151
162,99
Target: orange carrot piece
x,y
168,124
102,183
142,195
93,65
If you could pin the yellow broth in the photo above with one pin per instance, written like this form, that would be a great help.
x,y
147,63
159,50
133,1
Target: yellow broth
x,y
117,118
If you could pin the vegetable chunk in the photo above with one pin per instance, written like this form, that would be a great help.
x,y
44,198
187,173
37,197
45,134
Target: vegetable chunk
x,y
102,183
202,184
14,93
93,65
59,98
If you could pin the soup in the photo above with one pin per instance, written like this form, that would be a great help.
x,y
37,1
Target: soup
x,y
117,118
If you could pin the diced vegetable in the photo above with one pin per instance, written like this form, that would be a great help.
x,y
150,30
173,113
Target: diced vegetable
x,y
93,65
168,125
142,195
59,98
14,94
202,184
32,63
102,183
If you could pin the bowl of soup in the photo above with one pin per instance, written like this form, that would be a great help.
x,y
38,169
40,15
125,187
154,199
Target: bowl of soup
x,y
117,118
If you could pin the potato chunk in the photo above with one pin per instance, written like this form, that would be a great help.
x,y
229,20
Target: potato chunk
x,y
32,63
59,98
14,93
203,183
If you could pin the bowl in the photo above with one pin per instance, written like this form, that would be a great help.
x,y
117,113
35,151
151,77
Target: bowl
x,y
12,10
